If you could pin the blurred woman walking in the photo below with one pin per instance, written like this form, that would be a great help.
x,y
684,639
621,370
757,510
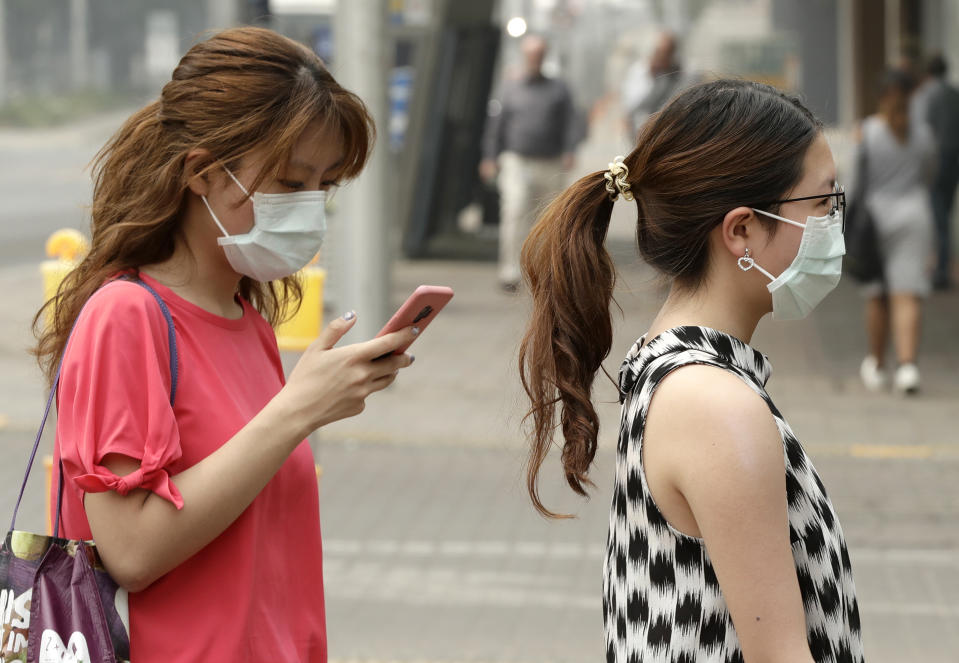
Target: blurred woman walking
x,y
900,167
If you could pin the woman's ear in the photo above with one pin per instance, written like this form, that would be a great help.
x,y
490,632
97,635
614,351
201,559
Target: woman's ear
x,y
195,170
740,231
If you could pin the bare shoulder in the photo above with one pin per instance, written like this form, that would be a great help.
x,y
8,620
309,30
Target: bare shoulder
x,y
718,428
728,466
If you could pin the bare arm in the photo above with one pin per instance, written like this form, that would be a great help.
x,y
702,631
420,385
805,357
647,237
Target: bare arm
x,y
724,456
141,536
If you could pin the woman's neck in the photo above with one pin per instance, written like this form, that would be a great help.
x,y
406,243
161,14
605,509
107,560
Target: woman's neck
x,y
717,308
199,276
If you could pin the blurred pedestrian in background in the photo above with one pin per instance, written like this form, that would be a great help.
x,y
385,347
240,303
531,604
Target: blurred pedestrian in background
x,y
900,164
527,148
647,86
193,477
722,546
940,109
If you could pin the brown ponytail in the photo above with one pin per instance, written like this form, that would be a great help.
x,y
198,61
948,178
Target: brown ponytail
x,y
571,278
716,146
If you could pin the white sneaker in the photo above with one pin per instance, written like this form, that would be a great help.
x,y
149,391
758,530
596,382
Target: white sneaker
x,y
871,374
907,379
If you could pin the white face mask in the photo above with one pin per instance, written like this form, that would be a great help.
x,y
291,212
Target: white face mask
x,y
288,230
813,273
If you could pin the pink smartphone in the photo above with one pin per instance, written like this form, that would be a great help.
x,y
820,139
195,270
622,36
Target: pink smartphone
x,y
419,309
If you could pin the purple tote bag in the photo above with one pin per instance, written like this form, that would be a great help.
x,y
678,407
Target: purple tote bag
x,y
57,602
60,605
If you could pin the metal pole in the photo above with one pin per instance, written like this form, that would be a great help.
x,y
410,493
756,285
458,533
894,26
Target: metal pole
x,y
363,227
848,34
221,14
3,55
78,44
950,46
893,32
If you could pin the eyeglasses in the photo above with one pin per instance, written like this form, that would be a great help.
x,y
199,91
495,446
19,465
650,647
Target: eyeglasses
x,y
838,205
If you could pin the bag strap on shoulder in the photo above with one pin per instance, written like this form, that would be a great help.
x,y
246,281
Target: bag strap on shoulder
x,y
171,335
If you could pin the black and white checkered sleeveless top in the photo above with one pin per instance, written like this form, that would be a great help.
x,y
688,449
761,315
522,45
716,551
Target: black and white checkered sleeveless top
x,y
662,601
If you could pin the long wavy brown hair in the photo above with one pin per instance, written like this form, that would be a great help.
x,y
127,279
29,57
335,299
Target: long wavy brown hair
x,y
715,147
240,90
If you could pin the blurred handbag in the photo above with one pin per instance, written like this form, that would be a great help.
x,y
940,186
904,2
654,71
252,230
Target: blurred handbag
x,y
58,604
863,261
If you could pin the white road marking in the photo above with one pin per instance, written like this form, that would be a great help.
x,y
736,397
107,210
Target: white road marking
x,y
578,551
392,571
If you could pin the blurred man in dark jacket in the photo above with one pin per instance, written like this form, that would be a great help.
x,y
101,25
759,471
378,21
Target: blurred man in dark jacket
x,y
528,147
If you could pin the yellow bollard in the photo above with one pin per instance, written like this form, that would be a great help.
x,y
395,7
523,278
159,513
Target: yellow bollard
x,y
301,330
66,247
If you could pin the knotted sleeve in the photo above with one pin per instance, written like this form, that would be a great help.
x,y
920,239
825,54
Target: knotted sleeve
x,y
114,395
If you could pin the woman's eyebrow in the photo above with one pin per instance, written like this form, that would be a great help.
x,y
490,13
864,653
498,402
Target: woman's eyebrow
x,y
303,165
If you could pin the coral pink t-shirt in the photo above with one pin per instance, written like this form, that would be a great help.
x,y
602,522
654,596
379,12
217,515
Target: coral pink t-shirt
x,y
255,593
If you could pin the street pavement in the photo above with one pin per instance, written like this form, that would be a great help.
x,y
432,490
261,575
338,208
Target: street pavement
x,y
44,183
432,551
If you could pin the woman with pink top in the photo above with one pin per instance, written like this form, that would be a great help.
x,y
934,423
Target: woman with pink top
x,y
183,454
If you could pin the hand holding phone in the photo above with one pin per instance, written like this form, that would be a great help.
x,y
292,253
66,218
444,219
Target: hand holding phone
x,y
419,309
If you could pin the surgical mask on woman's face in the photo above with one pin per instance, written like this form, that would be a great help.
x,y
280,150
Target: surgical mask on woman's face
x,y
288,230
815,270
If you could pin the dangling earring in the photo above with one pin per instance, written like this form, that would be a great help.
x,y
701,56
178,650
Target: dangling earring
x,y
746,263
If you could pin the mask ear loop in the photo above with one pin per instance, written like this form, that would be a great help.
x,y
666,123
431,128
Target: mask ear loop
x,y
215,220
207,203
233,177
747,262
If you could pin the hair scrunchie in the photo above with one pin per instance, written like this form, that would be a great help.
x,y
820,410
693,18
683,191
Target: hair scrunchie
x,y
616,182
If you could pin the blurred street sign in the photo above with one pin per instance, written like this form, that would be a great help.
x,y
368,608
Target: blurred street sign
x,y
411,12
400,94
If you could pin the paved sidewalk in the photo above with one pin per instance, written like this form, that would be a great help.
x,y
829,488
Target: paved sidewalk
x,y
428,525
433,554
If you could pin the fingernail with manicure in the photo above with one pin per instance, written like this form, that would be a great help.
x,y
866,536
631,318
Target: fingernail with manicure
x,y
416,330
412,359
349,315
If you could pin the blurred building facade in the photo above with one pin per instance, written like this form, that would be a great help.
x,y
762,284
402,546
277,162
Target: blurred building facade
x,y
446,57
884,33
831,51
51,47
